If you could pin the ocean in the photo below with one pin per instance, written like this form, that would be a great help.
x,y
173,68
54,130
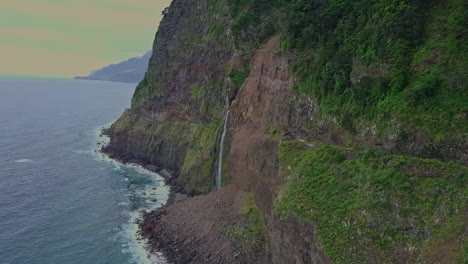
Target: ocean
x,y
60,200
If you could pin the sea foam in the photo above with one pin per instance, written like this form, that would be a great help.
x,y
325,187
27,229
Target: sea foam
x,y
23,160
155,195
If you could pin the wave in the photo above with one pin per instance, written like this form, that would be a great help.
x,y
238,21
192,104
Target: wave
x,y
154,195
23,160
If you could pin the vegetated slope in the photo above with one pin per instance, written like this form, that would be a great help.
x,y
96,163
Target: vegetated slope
x,y
348,122
130,71
390,70
371,205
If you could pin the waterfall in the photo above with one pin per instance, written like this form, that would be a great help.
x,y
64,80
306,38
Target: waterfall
x,y
218,170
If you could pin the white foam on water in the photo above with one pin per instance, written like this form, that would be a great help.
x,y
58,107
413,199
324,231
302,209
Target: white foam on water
x,y
23,160
135,245
155,194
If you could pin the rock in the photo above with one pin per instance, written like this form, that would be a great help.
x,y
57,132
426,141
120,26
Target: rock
x,y
149,226
165,174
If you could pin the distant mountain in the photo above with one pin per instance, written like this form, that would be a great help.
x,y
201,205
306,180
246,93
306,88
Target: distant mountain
x,y
130,71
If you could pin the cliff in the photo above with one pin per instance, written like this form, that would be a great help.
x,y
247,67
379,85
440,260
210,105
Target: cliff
x,y
347,131
130,71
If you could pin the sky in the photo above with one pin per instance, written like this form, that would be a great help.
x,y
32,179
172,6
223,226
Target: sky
x,y
73,37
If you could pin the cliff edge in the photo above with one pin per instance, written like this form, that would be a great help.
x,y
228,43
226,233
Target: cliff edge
x,y
346,136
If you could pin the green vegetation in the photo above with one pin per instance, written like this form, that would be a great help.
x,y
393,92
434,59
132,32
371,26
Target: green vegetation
x,y
198,164
216,29
197,92
238,77
257,227
145,90
251,235
188,42
252,21
273,132
171,137
122,122
216,25
368,206
375,60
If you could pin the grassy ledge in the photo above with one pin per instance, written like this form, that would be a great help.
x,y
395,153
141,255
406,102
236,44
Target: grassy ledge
x,y
375,207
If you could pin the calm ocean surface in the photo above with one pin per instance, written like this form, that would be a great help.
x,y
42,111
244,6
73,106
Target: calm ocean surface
x,y
60,201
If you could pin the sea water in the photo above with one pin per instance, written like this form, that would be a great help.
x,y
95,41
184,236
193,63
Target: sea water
x,y
60,200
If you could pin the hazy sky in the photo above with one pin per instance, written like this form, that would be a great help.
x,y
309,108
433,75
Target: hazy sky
x,y
73,37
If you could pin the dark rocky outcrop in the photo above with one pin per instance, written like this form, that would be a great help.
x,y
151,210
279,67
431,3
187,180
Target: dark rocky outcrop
x,y
177,110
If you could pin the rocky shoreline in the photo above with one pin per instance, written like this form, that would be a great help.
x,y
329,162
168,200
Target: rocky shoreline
x,y
197,230
211,228
176,192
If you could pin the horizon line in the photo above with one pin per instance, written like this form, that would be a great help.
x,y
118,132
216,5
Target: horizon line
x,y
22,75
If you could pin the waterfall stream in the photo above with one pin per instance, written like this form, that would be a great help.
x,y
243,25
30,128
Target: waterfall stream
x,y
218,171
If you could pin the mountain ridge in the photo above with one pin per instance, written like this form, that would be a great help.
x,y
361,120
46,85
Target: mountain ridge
x,y
129,71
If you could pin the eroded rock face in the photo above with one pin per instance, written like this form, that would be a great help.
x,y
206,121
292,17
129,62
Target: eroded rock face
x,y
259,118
259,110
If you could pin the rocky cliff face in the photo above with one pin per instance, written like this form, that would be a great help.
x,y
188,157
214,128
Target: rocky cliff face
x,y
323,187
177,109
259,117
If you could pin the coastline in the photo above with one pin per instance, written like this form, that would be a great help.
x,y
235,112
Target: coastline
x,y
175,194
224,226
142,248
